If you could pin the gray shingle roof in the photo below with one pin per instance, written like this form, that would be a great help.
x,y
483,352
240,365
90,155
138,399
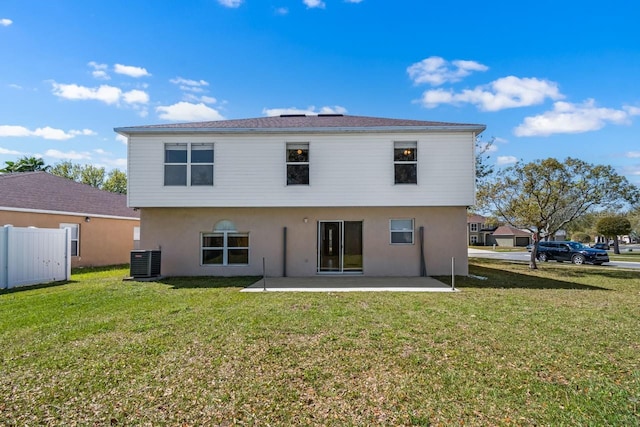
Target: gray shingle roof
x,y
43,191
326,122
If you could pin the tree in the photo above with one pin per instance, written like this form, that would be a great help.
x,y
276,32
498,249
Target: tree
x,y
92,175
483,168
612,227
581,237
116,182
25,164
68,170
545,196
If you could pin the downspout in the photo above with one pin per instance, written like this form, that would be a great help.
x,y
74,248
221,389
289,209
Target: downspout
x,y
284,252
423,264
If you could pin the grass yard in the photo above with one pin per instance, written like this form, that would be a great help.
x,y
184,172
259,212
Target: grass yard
x,y
558,346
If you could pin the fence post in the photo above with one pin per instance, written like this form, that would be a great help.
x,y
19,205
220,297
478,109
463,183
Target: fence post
x,y
4,260
453,274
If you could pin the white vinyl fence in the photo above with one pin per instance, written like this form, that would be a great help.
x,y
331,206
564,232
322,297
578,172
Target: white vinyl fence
x,y
29,256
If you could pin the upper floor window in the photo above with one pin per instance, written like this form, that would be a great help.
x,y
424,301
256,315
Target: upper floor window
x,y
297,164
474,227
188,163
405,162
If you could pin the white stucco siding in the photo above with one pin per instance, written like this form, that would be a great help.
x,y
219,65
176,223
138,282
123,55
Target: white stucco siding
x,y
345,170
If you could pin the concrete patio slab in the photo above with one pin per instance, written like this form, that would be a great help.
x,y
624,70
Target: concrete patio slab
x,y
331,283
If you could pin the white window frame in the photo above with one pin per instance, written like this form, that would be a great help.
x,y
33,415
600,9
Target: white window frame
x,y
407,145
72,228
474,227
474,239
300,146
225,248
189,164
393,230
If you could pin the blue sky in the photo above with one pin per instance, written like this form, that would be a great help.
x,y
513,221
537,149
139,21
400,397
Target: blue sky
x,y
549,79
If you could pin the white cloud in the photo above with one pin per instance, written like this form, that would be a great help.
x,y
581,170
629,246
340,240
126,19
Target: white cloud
x,y
632,154
310,111
84,132
230,3
186,111
188,85
314,4
506,92
99,70
123,139
506,160
436,70
632,111
7,151
571,118
131,71
281,11
135,97
5,22
70,155
44,132
14,131
104,93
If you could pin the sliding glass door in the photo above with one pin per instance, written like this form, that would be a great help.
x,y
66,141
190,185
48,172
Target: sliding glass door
x,y
339,246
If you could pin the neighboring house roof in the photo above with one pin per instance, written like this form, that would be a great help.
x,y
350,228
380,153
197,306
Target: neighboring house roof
x,y
41,191
303,123
507,230
474,218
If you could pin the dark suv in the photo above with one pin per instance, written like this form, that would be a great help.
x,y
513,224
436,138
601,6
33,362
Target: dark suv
x,y
575,252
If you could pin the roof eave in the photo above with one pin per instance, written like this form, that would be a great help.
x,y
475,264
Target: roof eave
x,y
127,131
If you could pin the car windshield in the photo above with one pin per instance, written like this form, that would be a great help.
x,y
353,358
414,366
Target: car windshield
x,y
576,245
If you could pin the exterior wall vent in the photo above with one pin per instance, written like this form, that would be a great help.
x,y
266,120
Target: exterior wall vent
x,y
145,263
293,115
331,115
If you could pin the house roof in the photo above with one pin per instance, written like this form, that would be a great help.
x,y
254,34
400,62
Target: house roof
x,y
41,191
303,123
475,218
507,230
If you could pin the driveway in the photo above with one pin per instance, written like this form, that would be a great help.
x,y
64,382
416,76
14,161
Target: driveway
x,y
526,256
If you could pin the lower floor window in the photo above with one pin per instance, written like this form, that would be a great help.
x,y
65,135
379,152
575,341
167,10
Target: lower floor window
x,y
75,237
225,248
401,231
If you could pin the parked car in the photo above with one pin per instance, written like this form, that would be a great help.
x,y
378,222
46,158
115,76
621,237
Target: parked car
x,y
603,246
574,252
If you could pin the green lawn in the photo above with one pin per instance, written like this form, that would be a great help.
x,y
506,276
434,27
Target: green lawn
x,y
557,346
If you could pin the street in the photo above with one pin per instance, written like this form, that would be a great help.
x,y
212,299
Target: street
x,y
526,256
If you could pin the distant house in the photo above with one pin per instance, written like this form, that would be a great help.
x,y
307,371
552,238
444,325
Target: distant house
x,y
478,232
306,195
506,235
103,228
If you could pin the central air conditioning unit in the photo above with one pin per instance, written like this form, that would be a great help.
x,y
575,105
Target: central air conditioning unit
x,y
145,263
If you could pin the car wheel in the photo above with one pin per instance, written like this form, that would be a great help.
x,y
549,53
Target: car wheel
x,y
578,260
543,257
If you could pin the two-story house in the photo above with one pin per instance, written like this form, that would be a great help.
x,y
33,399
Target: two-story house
x,y
306,195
